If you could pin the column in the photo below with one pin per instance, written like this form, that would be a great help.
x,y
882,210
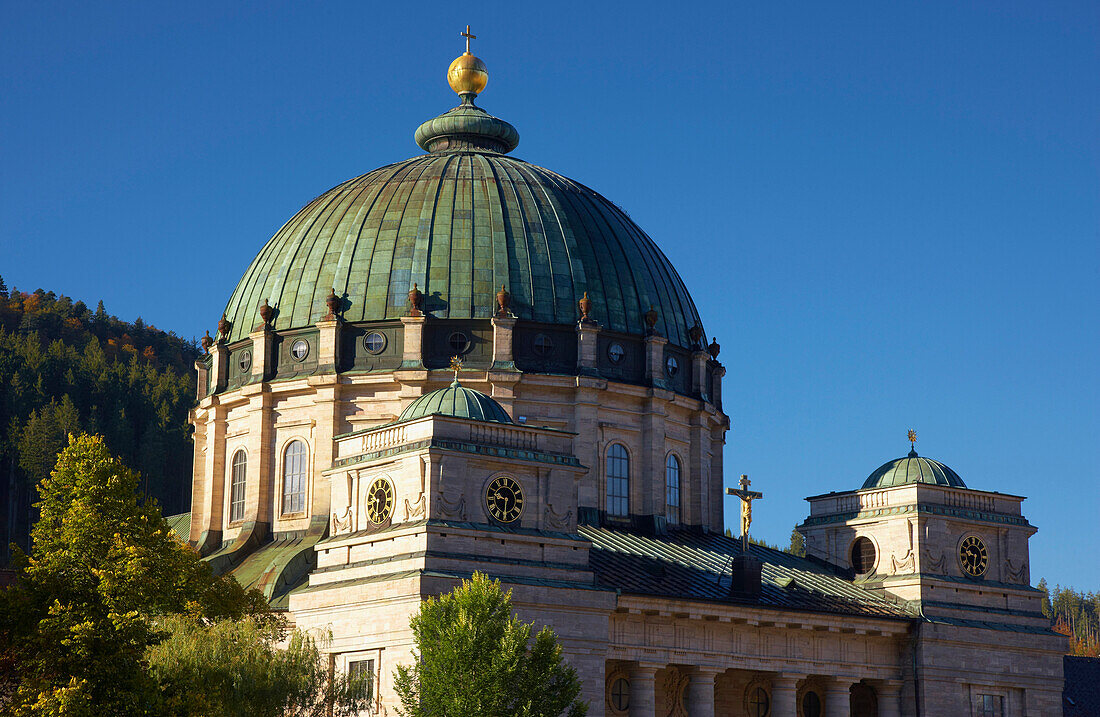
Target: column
x,y
700,692
785,694
889,697
838,697
328,344
643,689
699,374
263,346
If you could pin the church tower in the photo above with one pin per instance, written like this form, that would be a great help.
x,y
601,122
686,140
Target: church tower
x,y
958,557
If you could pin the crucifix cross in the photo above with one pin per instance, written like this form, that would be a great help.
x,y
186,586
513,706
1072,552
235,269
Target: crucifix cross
x,y
468,37
747,497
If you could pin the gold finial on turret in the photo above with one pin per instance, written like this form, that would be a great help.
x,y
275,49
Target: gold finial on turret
x,y
456,365
912,437
467,75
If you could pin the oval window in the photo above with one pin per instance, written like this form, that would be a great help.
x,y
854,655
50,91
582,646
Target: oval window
x,y
244,361
863,556
672,366
543,345
374,342
616,352
459,342
299,349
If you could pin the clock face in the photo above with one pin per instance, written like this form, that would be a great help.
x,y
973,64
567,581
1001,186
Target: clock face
x,y
380,501
973,557
504,499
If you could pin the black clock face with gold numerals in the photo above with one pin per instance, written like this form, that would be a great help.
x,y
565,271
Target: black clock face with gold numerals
x,y
973,557
380,501
504,499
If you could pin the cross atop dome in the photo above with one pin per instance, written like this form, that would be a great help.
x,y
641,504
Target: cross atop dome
x,y
468,37
467,75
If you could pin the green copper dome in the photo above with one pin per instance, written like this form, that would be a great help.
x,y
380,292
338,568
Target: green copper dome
x,y
459,222
458,401
913,469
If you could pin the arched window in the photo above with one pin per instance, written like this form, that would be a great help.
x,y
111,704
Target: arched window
x,y
236,486
618,480
294,478
672,489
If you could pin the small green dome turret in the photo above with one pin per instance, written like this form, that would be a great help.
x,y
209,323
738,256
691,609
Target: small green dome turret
x,y
913,469
458,401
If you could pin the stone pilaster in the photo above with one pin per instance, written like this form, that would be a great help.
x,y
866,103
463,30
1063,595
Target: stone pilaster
x,y
838,698
785,695
200,379
328,344
647,480
260,500
219,366
211,525
588,333
643,689
503,355
699,361
586,446
655,360
889,697
413,327
716,386
263,348
700,692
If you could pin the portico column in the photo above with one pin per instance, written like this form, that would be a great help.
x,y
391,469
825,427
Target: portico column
x,y
889,698
700,692
838,698
785,694
643,684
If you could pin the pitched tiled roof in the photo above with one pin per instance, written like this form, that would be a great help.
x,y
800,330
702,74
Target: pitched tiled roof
x,y
1081,694
690,565
180,525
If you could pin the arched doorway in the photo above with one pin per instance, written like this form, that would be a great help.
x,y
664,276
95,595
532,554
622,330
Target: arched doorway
x,y
864,700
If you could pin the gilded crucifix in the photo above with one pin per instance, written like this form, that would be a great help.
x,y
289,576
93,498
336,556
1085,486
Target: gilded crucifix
x,y
747,497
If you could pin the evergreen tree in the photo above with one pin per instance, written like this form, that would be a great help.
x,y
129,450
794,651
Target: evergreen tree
x,y
798,544
102,569
473,659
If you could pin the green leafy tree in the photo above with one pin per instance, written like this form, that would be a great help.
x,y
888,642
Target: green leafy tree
x,y
798,544
474,659
103,568
234,668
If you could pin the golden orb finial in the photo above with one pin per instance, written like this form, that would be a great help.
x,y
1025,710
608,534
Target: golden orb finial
x,y
467,75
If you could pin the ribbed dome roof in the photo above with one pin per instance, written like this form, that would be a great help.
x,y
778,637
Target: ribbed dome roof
x,y
458,401
913,469
460,222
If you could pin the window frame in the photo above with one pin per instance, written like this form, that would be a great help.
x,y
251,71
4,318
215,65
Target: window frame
x,y
621,495
286,511
234,499
674,470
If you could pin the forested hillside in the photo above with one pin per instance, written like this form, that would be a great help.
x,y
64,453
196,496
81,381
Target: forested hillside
x,y
1076,614
65,368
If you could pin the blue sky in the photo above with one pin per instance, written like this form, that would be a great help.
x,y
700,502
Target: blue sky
x,y
887,213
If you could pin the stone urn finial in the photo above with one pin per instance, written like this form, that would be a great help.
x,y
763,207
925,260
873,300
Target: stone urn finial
x,y
206,342
332,301
651,320
224,326
714,348
504,301
266,314
695,333
585,305
416,299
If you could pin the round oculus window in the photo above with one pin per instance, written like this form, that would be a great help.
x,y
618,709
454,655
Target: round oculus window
x,y
672,366
811,705
459,342
863,556
619,695
299,349
616,352
380,501
374,342
244,361
543,345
